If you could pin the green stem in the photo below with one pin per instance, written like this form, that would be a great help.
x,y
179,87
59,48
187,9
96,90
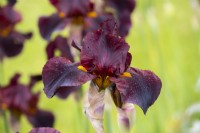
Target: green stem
x,y
6,126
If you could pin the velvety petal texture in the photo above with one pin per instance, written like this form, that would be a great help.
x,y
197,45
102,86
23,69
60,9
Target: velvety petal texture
x,y
94,107
59,72
104,54
49,24
142,88
60,43
44,130
73,8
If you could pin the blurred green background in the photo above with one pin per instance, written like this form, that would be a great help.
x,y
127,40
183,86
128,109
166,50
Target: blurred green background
x,y
165,38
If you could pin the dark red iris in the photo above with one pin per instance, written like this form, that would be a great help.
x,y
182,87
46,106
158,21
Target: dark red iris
x,y
11,41
104,60
18,99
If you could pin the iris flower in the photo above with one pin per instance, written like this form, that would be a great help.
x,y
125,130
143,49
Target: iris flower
x,y
11,41
18,99
85,14
105,61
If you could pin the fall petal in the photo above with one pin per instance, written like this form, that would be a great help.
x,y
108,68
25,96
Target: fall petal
x,y
142,88
95,107
64,92
12,45
59,72
126,116
41,119
49,24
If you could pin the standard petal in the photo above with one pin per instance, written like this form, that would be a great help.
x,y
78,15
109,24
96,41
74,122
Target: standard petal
x,y
73,7
126,116
59,72
41,118
104,53
60,43
44,130
49,24
8,17
94,107
92,24
142,88
123,9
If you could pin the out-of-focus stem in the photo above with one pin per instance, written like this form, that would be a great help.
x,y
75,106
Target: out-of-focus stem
x,y
6,127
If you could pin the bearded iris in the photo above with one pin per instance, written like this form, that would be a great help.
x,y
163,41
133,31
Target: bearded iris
x,y
18,99
11,41
105,61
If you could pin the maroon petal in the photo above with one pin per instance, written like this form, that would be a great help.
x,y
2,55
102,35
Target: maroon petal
x,y
123,9
34,79
59,72
41,119
104,53
64,92
44,130
49,24
92,24
8,17
76,46
73,7
61,44
142,88
12,2
12,45
18,97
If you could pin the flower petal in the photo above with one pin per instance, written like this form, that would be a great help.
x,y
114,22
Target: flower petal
x,y
73,7
41,119
34,79
104,53
123,9
126,116
61,44
8,17
12,45
49,24
12,2
64,92
44,130
142,88
59,72
92,24
94,108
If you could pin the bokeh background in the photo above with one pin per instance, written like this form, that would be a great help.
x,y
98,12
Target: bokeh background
x,y
165,38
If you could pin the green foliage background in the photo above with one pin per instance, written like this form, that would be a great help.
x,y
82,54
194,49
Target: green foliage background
x,y
165,38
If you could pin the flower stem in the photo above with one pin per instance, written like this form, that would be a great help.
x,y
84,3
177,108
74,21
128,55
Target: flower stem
x,y
6,126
